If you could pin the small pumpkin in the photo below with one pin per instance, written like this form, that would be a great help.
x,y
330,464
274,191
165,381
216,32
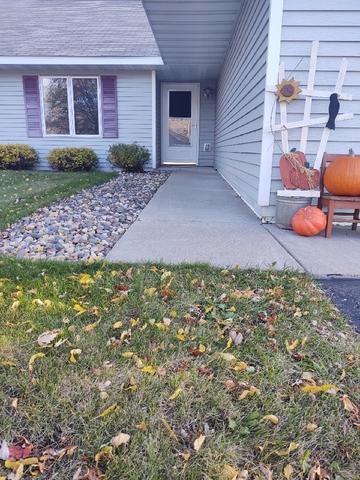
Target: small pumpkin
x,y
308,221
342,176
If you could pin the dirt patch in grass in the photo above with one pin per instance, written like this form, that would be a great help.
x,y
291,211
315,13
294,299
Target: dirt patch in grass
x,y
212,373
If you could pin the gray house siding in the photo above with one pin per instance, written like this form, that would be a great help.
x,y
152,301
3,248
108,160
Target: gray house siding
x,y
134,115
240,102
335,24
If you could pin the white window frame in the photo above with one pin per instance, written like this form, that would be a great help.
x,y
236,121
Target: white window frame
x,y
71,110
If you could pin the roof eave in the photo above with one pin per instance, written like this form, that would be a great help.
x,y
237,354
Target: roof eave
x,y
82,61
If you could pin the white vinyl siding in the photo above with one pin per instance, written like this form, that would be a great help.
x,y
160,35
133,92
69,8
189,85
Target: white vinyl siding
x,y
134,115
240,102
335,23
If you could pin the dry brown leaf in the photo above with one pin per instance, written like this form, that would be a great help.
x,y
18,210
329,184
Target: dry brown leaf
x,y
120,439
286,451
46,338
319,473
271,418
288,472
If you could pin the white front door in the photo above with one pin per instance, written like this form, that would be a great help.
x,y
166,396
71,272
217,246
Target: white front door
x,y
180,123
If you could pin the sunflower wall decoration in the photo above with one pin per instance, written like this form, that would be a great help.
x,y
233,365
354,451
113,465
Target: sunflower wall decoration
x,y
288,90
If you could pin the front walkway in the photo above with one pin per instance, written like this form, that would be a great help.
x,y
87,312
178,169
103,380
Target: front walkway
x,y
197,217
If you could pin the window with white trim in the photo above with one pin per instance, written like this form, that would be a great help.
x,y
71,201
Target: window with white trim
x,y
71,105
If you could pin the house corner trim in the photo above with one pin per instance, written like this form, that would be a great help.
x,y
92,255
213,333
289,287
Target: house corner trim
x,y
272,65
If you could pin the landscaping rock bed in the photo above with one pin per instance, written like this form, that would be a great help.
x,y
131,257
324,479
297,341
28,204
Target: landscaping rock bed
x,y
84,226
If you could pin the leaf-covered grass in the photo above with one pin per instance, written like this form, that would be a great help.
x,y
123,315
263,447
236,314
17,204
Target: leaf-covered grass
x,y
159,337
21,192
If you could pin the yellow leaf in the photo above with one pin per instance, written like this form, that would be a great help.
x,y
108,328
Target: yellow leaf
x,y
271,418
127,354
15,305
149,369
228,357
229,473
117,325
327,387
120,439
181,335
177,392
104,454
199,442
249,393
79,309
286,451
85,279
14,464
33,359
74,353
109,410
291,346
201,348
288,471
311,427
19,472
239,366
150,292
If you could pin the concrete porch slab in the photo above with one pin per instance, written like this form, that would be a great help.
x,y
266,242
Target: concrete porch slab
x,y
197,217
320,256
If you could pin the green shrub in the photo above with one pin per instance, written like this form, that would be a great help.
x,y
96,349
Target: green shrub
x,y
131,158
17,156
72,159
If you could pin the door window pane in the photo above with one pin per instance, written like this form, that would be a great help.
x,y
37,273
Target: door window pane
x,y
179,119
56,106
86,106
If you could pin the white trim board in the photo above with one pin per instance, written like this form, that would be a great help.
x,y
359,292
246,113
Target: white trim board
x,y
115,61
272,69
153,119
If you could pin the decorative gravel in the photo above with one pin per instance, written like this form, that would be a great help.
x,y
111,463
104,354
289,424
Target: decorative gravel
x,y
84,226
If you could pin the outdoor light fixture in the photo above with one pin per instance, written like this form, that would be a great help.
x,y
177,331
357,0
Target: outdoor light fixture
x,y
208,93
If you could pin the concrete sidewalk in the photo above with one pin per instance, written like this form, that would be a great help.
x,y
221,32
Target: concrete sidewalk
x,y
197,217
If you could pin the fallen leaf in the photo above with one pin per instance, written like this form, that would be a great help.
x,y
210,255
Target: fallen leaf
x,y
33,358
249,392
120,439
79,309
150,292
177,392
74,353
168,428
104,454
271,418
17,452
288,471
286,451
266,472
319,473
311,427
327,387
199,442
48,337
117,325
149,369
228,357
228,473
239,366
109,410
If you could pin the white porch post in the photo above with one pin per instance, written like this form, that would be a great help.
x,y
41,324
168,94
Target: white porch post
x,y
154,125
272,70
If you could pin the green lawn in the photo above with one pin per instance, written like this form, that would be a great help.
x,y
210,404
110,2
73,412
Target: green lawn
x,y
21,193
143,354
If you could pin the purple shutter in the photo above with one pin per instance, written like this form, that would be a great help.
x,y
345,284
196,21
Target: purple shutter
x,y
109,106
32,105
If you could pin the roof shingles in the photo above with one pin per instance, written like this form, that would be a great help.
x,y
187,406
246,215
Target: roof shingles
x,y
76,28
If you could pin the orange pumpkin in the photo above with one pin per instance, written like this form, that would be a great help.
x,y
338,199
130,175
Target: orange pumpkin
x,y
342,176
308,221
